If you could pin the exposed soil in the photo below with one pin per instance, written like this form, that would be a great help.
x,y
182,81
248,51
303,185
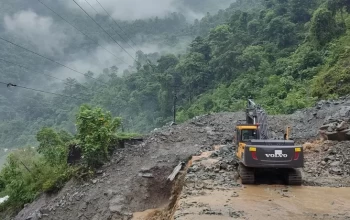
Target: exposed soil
x,y
136,178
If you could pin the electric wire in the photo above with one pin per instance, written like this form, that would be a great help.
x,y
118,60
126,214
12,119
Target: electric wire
x,y
111,26
38,90
54,61
149,62
48,75
116,23
104,30
81,32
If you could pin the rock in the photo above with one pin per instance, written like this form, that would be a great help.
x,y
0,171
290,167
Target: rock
x,y
235,214
337,171
342,126
223,166
35,216
225,149
329,158
335,164
45,210
193,169
116,204
234,195
146,175
210,212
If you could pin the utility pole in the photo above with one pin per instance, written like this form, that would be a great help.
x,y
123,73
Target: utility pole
x,y
175,86
174,107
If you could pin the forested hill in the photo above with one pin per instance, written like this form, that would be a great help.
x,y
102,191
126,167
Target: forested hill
x,y
284,53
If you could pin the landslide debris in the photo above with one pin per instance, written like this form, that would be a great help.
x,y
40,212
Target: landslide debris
x,y
136,178
327,163
337,127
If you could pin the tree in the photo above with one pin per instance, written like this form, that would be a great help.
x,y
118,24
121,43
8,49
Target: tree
x,y
52,146
323,26
200,46
281,31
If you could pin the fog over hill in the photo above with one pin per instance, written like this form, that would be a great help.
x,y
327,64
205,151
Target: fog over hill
x,y
35,27
148,30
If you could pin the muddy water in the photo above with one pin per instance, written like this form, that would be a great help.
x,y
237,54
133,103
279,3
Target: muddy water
x,y
269,202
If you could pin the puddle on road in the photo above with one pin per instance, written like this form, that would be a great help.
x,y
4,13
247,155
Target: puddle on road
x,y
299,199
270,202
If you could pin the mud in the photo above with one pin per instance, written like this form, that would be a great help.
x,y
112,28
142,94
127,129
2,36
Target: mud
x,y
267,202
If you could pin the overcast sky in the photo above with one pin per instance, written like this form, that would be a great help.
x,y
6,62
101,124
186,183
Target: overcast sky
x,y
128,9
35,25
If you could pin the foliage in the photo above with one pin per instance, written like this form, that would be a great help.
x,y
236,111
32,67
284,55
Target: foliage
x,y
31,171
26,174
285,54
95,132
52,145
127,136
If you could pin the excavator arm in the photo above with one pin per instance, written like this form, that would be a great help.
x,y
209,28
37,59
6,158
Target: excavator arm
x,y
257,115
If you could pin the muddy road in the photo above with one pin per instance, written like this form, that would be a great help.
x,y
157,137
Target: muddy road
x,y
267,202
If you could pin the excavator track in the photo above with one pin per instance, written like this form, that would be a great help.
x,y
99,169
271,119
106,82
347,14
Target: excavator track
x,y
247,174
294,177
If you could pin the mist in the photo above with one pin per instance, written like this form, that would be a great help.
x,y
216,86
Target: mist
x,y
37,30
133,9
50,36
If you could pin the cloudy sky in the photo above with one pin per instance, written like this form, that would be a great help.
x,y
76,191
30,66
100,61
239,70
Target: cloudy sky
x,y
39,28
128,9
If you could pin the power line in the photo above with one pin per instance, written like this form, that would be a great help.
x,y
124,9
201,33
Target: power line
x,y
111,26
53,77
38,90
81,31
149,62
116,23
104,30
54,61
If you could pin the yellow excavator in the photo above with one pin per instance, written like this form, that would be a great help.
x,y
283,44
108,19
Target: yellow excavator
x,y
256,152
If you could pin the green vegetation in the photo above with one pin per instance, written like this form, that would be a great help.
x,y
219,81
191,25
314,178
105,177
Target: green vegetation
x,y
286,54
29,171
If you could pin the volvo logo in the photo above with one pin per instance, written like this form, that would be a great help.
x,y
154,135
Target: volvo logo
x,y
278,153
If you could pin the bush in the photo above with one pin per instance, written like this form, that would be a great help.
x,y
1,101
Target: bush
x,y
26,174
29,171
96,129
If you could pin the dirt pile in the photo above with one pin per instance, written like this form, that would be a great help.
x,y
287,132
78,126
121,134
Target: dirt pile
x,y
327,163
213,170
337,127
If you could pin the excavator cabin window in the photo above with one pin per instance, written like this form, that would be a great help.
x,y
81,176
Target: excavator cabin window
x,y
247,135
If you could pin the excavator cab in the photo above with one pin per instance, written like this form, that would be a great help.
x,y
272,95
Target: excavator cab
x,y
244,134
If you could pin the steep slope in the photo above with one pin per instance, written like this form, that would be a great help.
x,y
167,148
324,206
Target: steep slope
x,y
135,179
